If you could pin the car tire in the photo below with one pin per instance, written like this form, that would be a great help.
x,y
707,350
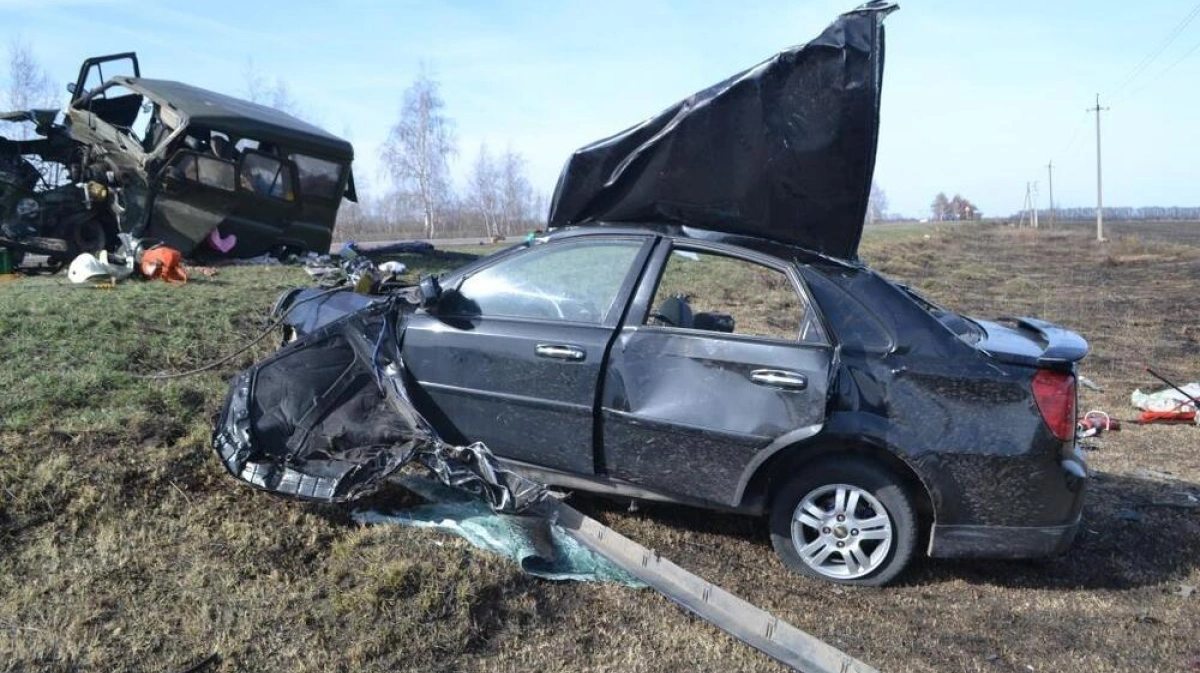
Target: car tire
x,y
869,546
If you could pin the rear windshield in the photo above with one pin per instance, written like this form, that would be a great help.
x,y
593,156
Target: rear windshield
x,y
962,326
318,177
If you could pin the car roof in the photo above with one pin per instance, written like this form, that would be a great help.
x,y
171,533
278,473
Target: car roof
x,y
243,118
778,249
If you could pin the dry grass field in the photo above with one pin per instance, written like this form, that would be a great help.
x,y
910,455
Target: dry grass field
x,y
124,546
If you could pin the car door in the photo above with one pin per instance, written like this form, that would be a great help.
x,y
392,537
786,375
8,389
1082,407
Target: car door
x,y
513,352
720,361
196,193
118,107
267,202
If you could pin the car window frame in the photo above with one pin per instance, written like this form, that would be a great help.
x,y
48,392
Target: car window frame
x,y
165,172
611,319
641,304
243,192
339,190
884,327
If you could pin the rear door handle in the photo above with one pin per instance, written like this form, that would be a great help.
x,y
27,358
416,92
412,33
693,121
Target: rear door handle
x,y
560,352
779,378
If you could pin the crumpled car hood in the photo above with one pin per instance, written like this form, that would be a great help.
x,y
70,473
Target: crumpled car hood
x,y
784,150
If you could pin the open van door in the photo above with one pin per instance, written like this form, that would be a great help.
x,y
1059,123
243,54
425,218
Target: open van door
x,y
118,110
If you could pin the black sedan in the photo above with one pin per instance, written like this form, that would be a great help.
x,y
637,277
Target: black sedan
x,y
697,328
867,424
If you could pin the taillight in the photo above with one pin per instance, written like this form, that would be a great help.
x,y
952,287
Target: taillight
x,y
1054,392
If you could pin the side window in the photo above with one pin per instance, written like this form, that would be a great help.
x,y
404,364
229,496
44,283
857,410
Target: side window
x,y
318,177
267,176
716,293
854,325
572,281
206,170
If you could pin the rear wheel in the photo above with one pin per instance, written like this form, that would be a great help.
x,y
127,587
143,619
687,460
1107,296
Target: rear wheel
x,y
845,520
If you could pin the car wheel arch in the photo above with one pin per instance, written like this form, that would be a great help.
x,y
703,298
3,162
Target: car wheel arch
x,y
775,472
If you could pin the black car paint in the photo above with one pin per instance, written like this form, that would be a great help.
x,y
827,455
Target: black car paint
x,y
666,414
959,423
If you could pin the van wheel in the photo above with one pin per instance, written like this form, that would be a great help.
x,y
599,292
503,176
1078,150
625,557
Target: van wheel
x,y
844,520
89,235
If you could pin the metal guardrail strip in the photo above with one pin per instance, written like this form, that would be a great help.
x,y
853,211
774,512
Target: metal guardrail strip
x,y
752,625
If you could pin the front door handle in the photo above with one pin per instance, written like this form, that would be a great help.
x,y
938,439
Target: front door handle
x,y
560,352
778,378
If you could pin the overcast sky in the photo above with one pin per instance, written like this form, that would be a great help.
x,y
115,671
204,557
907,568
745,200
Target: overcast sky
x,y
978,96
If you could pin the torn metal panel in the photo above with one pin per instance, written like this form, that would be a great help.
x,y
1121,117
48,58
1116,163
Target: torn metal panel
x,y
328,418
784,150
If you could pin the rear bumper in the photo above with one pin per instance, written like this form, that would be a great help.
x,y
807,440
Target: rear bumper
x,y
1003,542
1015,542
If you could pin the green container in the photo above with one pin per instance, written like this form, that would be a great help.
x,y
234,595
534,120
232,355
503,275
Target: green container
x,y
6,261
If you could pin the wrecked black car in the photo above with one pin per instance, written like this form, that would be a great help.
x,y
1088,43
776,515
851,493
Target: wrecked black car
x,y
750,364
204,173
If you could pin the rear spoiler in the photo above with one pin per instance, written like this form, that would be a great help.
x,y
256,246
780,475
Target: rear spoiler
x,y
1059,346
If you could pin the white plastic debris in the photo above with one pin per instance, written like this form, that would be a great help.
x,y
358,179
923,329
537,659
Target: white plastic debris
x,y
1168,400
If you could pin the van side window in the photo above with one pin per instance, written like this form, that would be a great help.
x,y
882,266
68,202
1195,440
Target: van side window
x,y
267,176
318,177
206,170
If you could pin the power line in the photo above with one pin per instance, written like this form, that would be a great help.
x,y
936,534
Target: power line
x,y
1167,69
1149,58
1074,136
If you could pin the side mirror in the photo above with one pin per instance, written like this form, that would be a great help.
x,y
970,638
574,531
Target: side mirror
x,y
431,291
70,87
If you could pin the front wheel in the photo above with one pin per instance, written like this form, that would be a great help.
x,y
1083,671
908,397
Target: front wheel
x,y
844,520
88,234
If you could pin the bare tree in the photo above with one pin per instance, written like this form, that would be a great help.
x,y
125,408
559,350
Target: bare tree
x,y
940,209
418,149
258,88
517,197
876,204
963,209
484,192
28,85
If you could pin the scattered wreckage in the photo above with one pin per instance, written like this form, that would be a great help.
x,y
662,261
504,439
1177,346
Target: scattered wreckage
x,y
201,172
696,328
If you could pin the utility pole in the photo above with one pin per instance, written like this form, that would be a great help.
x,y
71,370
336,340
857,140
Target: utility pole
x,y
1050,172
1024,208
1099,183
1035,204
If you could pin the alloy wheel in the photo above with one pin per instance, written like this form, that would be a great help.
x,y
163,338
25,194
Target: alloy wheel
x,y
841,531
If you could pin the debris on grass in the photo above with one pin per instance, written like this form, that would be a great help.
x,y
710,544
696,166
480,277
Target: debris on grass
x,y
540,547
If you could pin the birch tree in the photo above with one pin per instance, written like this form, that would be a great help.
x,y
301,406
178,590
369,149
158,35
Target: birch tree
x,y
418,150
876,204
516,194
484,192
27,85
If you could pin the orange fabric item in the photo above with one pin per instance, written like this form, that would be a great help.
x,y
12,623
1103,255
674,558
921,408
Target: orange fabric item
x,y
163,262
1167,417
